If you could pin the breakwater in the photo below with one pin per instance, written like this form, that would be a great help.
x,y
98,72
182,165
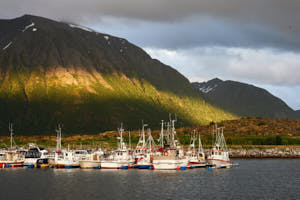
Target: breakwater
x,y
276,152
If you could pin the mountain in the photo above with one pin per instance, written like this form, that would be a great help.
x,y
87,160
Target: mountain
x,y
53,72
244,99
297,114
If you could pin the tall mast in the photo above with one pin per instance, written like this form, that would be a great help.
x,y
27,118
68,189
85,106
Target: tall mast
x,y
143,134
11,131
192,142
150,140
162,134
173,132
58,140
121,137
200,148
129,141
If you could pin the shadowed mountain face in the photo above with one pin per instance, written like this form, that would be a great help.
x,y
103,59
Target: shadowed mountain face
x,y
244,100
52,72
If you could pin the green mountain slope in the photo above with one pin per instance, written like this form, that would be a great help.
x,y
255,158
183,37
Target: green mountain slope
x,y
52,72
244,99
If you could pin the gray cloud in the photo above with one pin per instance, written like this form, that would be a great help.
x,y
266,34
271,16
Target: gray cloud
x,y
274,71
255,23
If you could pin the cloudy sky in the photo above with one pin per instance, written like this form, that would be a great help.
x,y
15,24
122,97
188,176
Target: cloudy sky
x,y
253,41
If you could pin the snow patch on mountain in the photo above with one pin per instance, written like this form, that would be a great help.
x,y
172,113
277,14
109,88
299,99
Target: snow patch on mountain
x,y
207,88
81,27
28,26
7,46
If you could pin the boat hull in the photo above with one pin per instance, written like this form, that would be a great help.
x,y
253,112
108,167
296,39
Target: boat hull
x,y
144,166
218,162
196,164
11,164
89,164
30,161
66,164
42,165
166,164
114,165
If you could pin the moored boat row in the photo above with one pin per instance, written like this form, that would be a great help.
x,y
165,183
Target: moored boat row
x,y
168,154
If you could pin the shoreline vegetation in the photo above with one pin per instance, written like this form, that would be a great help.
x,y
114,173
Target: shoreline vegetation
x,y
245,137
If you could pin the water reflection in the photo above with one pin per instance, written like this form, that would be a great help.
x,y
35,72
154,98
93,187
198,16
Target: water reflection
x,y
253,179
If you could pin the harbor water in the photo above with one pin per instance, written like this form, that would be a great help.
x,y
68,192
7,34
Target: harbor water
x,y
252,179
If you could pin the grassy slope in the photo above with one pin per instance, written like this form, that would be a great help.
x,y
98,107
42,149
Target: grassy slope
x,y
87,103
241,133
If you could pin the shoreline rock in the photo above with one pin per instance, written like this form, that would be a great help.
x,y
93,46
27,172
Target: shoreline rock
x,y
263,153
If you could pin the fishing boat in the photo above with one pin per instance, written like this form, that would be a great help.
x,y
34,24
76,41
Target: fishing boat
x,y
196,158
66,158
170,155
92,161
219,153
120,158
11,158
33,154
144,150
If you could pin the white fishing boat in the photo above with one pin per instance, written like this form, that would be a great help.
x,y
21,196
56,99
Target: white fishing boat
x,y
170,155
92,160
196,158
11,158
66,158
144,151
169,160
33,154
219,156
120,158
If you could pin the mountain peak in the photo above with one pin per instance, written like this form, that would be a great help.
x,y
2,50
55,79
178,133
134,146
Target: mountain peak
x,y
208,86
216,80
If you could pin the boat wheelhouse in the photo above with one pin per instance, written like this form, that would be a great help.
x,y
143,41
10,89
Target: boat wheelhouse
x,y
196,157
219,155
120,158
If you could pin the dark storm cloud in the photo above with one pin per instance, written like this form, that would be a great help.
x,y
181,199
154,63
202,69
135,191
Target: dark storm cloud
x,y
248,23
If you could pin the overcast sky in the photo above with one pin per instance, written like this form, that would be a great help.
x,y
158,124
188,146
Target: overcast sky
x,y
253,41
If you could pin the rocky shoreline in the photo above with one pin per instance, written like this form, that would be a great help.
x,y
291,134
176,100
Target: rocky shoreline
x,y
263,153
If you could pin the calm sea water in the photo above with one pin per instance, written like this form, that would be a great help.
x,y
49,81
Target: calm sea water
x,y
253,179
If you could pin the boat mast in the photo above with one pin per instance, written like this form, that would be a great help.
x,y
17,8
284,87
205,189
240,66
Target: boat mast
x,y
162,134
200,148
192,142
58,140
129,140
121,136
150,140
168,132
10,128
143,135
173,132
222,138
